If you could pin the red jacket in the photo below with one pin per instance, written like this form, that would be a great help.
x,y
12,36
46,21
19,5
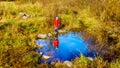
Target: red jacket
x,y
56,43
56,23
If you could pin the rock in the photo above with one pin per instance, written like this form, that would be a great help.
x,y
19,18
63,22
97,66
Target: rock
x,y
49,34
62,31
23,15
90,58
52,63
44,57
42,36
68,63
41,53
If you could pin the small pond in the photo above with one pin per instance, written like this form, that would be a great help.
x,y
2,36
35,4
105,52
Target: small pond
x,y
71,45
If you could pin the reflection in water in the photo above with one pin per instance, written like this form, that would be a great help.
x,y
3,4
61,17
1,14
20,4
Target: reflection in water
x,y
70,46
56,41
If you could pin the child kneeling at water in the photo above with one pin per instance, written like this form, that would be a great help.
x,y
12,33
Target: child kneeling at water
x,y
56,24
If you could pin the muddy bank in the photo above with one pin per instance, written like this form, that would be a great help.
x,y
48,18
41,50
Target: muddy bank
x,y
101,49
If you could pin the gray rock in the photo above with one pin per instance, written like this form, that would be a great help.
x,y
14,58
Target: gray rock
x,y
90,58
45,57
52,63
68,63
21,14
42,36
49,34
62,31
24,15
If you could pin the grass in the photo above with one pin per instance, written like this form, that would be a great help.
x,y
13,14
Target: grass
x,y
96,19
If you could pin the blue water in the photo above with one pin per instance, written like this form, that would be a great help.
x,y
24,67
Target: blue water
x,y
71,45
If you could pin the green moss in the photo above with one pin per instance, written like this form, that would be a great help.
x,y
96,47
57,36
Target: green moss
x,y
28,58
